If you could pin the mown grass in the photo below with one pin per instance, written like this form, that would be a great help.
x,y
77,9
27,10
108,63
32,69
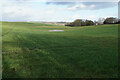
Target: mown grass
x,y
31,51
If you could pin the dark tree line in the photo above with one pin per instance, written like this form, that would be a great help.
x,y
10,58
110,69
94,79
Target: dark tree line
x,y
111,20
80,22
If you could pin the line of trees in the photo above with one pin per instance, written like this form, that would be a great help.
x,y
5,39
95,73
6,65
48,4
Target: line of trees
x,y
111,20
80,22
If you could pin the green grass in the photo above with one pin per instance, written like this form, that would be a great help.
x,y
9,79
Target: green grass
x,y
31,51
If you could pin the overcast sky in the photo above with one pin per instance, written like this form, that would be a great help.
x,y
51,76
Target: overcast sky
x,y
51,10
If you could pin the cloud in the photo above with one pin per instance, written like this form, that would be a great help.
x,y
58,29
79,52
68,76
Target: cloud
x,y
50,12
82,6
85,5
77,6
74,4
12,11
16,13
55,1
30,10
60,3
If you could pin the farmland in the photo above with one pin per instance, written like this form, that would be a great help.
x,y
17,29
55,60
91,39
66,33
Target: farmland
x,y
31,51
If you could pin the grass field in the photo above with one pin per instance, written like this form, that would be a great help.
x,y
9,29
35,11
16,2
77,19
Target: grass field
x,y
31,51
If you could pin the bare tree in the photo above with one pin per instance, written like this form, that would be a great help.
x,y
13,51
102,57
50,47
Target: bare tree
x,y
100,21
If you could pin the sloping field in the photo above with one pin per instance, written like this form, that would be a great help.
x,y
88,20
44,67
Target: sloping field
x,y
31,51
